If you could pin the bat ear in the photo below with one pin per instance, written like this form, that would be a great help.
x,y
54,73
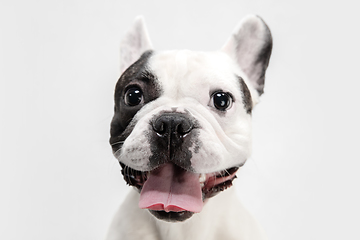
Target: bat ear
x,y
250,46
134,44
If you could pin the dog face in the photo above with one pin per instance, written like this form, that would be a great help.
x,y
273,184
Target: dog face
x,y
182,119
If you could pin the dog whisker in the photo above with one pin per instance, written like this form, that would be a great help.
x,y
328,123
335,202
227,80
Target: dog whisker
x,y
115,143
117,153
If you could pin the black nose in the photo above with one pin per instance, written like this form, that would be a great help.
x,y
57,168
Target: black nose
x,y
172,124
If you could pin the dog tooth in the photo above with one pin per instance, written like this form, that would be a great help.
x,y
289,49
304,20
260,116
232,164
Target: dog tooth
x,y
202,178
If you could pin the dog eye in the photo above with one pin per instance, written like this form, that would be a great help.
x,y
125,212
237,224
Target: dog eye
x,y
133,97
221,100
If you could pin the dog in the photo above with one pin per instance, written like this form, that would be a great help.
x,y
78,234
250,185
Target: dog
x,y
181,129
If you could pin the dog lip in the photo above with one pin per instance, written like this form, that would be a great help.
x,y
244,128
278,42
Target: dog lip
x,y
211,183
172,216
218,181
133,177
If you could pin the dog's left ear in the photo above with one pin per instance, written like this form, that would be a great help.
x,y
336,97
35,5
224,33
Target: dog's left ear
x,y
134,44
250,45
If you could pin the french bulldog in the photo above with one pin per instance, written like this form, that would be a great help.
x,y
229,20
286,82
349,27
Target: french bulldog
x,y
181,129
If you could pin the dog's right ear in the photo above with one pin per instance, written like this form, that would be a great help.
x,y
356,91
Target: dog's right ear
x,y
134,44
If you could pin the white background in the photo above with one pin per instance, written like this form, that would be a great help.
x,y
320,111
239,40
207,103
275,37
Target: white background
x,y
58,67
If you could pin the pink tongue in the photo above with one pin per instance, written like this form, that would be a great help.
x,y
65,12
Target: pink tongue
x,y
170,188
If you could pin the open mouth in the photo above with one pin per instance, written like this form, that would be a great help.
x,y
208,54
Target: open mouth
x,y
173,194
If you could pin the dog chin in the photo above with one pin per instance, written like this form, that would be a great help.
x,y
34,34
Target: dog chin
x,y
188,191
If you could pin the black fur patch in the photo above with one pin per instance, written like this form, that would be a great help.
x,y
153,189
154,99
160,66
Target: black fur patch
x,y
140,76
264,58
246,98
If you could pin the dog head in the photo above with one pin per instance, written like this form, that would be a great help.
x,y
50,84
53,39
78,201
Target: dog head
x,y
182,119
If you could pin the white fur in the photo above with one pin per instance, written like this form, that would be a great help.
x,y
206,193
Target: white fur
x,y
187,80
223,217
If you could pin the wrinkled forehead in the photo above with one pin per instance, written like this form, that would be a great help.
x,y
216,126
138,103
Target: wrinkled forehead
x,y
193,71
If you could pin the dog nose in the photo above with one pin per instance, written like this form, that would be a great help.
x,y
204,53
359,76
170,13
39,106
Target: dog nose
x,y
172,124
